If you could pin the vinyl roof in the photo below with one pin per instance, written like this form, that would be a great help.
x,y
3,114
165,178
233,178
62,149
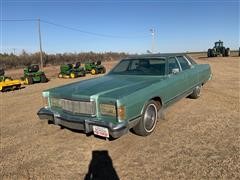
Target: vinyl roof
x,y
159,55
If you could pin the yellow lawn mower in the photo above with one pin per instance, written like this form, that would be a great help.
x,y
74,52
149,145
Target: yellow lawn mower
x,y
7,83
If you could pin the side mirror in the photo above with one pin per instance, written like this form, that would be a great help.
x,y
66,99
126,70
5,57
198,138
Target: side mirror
x,y
175,70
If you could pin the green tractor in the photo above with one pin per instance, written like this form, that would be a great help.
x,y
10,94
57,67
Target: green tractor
x,y
95,68
218,49
32,75
70,71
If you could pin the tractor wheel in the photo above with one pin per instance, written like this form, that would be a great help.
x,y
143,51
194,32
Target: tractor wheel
x,y
223,52
227,52
93,71
83,73
72,75
29,80
18,86
60,75
212,53
43,78
103,71
209,53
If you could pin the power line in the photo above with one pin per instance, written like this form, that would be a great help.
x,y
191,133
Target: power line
x,y
9,20
88,32
76,29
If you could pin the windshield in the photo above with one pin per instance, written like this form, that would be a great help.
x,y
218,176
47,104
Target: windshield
x,y
140,67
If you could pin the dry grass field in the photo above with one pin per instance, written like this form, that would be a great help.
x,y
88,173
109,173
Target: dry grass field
x,y
199,139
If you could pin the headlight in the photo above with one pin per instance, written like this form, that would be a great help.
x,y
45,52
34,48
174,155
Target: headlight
x,y
108,109
55,102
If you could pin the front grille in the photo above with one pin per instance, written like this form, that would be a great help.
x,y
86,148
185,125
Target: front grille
x,y
76,107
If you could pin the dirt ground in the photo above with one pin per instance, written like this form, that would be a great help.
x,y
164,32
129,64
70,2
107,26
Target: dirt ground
x,y
199,139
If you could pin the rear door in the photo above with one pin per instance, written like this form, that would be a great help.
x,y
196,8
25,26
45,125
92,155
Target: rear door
x,y
175,85
191,73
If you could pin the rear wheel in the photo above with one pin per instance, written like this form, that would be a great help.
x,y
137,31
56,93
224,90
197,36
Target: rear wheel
x,y
103,70
209,53
43,78
196,92
83,73
227,52
148,120
223,52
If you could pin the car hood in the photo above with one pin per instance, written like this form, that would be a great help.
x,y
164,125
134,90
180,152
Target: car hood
x,y
110,86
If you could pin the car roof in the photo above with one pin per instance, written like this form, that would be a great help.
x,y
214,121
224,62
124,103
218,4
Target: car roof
x,y
159,55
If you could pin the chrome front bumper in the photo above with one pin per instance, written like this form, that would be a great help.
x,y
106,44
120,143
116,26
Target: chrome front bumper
x,y
86,124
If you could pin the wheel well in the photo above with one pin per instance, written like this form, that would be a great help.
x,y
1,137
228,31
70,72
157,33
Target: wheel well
x,y
159,101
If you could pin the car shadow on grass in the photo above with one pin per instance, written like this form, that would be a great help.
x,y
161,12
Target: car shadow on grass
x,y
101,167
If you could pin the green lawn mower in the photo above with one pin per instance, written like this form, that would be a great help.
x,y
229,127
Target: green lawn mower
x,y
32,75
70,71
95,68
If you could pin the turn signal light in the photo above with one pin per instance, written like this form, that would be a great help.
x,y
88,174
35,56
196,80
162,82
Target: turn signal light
x,y
121,113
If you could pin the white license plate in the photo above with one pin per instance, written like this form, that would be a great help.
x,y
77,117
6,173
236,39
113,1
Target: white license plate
x,y
101,131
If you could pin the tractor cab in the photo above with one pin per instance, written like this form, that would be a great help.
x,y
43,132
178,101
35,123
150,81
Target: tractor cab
x,y
218,44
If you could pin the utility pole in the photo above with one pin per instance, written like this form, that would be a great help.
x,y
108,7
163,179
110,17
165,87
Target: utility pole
x,y
40,44
153,39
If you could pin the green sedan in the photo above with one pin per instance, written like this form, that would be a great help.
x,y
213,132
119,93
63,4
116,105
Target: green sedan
x,y
132,95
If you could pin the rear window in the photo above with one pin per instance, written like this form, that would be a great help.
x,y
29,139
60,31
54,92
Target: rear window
x,y
183,62
190,60
172,64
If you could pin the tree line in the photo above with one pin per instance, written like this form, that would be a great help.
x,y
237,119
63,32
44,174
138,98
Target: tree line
x,y
8,61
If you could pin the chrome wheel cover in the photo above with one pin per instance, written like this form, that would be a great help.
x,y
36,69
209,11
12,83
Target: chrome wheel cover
x,y
150,117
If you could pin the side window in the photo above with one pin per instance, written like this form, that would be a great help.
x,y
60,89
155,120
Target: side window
x,y
122,66
190,60
183,62
172,64
134,65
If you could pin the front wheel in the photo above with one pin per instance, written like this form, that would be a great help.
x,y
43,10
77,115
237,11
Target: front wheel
x,y
28,80
72,75
148,120
93,71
